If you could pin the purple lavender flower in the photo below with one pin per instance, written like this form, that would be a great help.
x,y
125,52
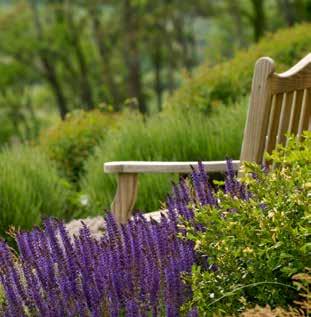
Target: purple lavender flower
x,y
198,186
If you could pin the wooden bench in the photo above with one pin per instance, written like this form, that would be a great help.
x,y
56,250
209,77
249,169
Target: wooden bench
x,y
279,103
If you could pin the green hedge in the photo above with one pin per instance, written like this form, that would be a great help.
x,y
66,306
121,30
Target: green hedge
x,y
232,79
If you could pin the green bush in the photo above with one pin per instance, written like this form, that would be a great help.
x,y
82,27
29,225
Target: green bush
x,y
230,80
170,136
71,142
258,244
30,188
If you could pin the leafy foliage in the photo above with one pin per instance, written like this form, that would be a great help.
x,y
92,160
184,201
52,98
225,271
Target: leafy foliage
x,y
257,243
228,81
303,282
70,142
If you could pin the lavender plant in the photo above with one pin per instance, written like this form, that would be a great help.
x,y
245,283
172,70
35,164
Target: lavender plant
x,y
133,270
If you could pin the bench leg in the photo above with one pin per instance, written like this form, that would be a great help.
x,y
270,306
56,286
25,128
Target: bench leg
x,y
125,197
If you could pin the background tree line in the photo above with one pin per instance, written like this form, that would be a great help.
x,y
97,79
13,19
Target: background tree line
x,y
61,55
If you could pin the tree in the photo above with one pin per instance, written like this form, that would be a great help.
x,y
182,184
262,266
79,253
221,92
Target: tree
x,y
258,19
130,17
103,40
49,70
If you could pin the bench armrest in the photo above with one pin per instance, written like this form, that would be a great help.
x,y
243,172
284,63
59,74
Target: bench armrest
x,y
134,167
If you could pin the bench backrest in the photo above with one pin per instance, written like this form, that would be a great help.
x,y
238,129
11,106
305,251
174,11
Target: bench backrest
x,y
279,103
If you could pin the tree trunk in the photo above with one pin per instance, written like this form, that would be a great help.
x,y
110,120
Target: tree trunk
x,y
49,68
158,85
234,7
193,48
56,86
132,56
288,10
171,67
86,89
104,55
35,123
259,19
179,25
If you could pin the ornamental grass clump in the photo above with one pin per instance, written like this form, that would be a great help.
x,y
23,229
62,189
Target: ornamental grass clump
x,y
30,189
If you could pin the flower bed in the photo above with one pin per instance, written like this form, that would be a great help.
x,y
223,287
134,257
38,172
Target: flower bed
x,y
133,269
217,251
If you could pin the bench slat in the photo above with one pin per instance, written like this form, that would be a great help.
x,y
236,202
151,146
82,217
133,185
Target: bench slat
x,y
164,167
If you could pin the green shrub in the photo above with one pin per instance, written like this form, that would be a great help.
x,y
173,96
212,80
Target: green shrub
x,y
230,80
170,136
71,142
257,244
30,188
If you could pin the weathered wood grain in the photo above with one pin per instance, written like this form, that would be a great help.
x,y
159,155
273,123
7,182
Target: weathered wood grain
x,y
164,167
